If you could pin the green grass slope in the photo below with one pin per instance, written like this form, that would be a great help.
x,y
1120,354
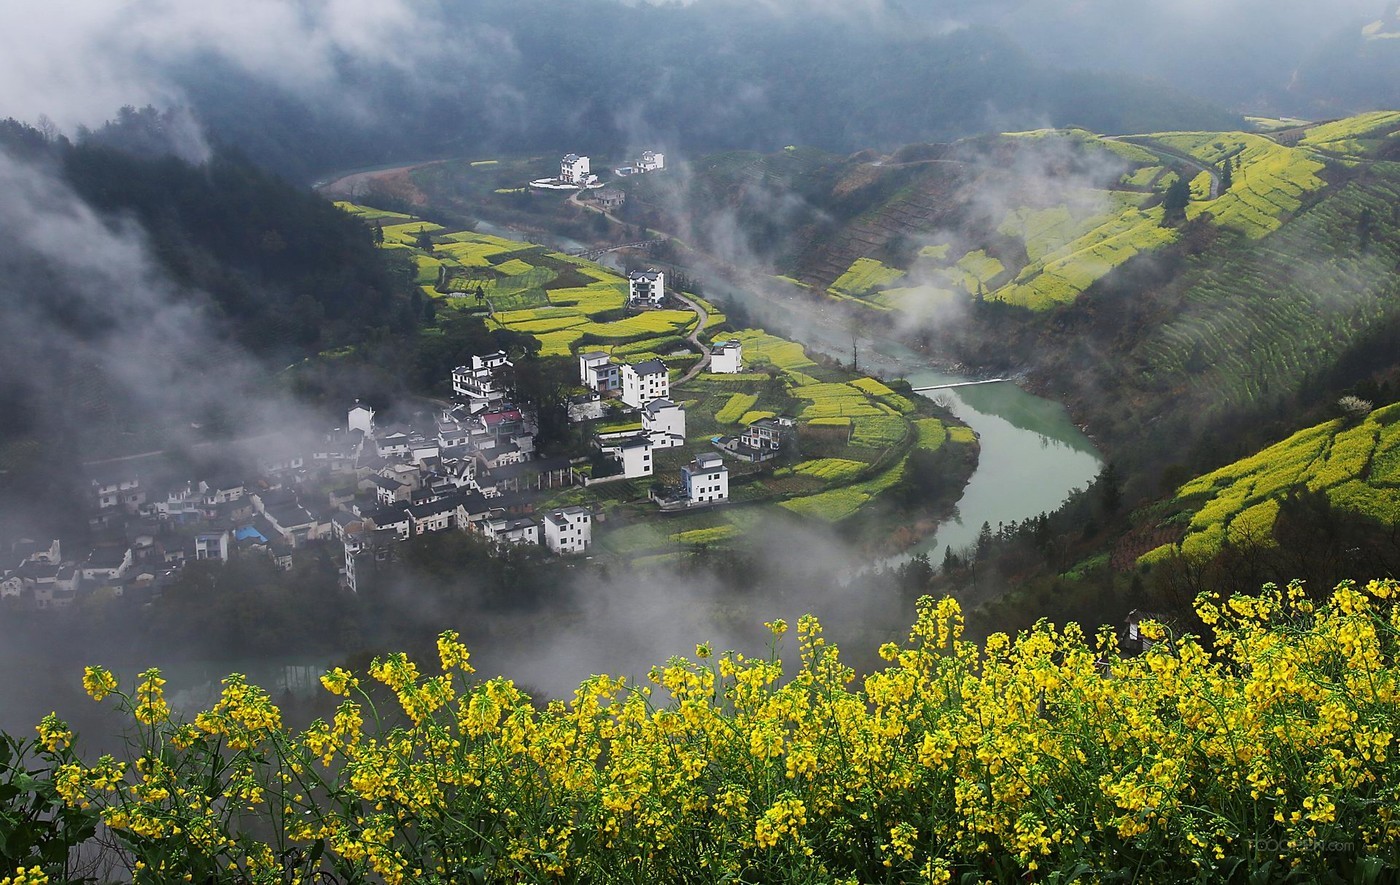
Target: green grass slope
x,y
1256,317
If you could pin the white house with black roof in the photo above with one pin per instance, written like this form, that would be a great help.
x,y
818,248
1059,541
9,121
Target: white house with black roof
x,y
432,516
395,517
510,530
573,169
597,371
706,479
644,382
664,423
646,288
568,529
633,453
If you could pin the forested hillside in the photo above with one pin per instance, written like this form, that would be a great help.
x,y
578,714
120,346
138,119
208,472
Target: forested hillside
x,y
148,300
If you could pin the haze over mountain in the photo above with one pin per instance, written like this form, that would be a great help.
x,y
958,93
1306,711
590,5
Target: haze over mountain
x,y
311,86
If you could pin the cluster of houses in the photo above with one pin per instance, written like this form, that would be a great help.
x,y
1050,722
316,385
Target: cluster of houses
x,y
358,486
575,171
645,387
367,487
649,161
41,576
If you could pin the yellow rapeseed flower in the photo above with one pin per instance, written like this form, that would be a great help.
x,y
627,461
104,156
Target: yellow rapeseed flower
x,y
54,733
98,682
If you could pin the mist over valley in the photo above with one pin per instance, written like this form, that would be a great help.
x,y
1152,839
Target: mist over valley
x,y
616,337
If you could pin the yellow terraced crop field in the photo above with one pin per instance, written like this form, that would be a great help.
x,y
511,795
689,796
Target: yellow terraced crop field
x,y
591,299
733,410
558,343
1062,273
831,469
864,276
878,432
408,233
1357,467
1268,185
548,324
871,386
1354,135
759,345
839,503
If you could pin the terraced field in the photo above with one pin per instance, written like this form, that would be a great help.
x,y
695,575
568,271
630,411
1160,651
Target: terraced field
x,y
1265,320
839,503
864,276
1060,235
1355,136
761,348
1358,467
1061,269
1270,179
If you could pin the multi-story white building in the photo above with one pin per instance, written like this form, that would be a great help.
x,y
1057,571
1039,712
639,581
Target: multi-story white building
x,y
597,371
768,433
510,530
480,381
361,418
727,358
212,545
434,516
705,479
651,161
646,288
664,423
633,452
569,530
573,169
644,382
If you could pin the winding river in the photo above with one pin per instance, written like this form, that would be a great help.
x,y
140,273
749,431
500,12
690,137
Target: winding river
x,y
1033,456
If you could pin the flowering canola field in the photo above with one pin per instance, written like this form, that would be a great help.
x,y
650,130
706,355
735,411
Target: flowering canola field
x,y
1357,467
1265,750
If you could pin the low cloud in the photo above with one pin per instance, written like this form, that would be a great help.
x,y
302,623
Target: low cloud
x,y
101,342
77,62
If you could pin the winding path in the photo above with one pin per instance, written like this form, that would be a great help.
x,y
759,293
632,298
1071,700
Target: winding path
x,y
700,312
1161,150
694,338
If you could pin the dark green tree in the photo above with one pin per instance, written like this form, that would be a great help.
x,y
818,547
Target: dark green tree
x,y
424,240
1175,201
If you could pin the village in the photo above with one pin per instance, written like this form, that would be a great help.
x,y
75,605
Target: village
x,y
660,477
366,487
